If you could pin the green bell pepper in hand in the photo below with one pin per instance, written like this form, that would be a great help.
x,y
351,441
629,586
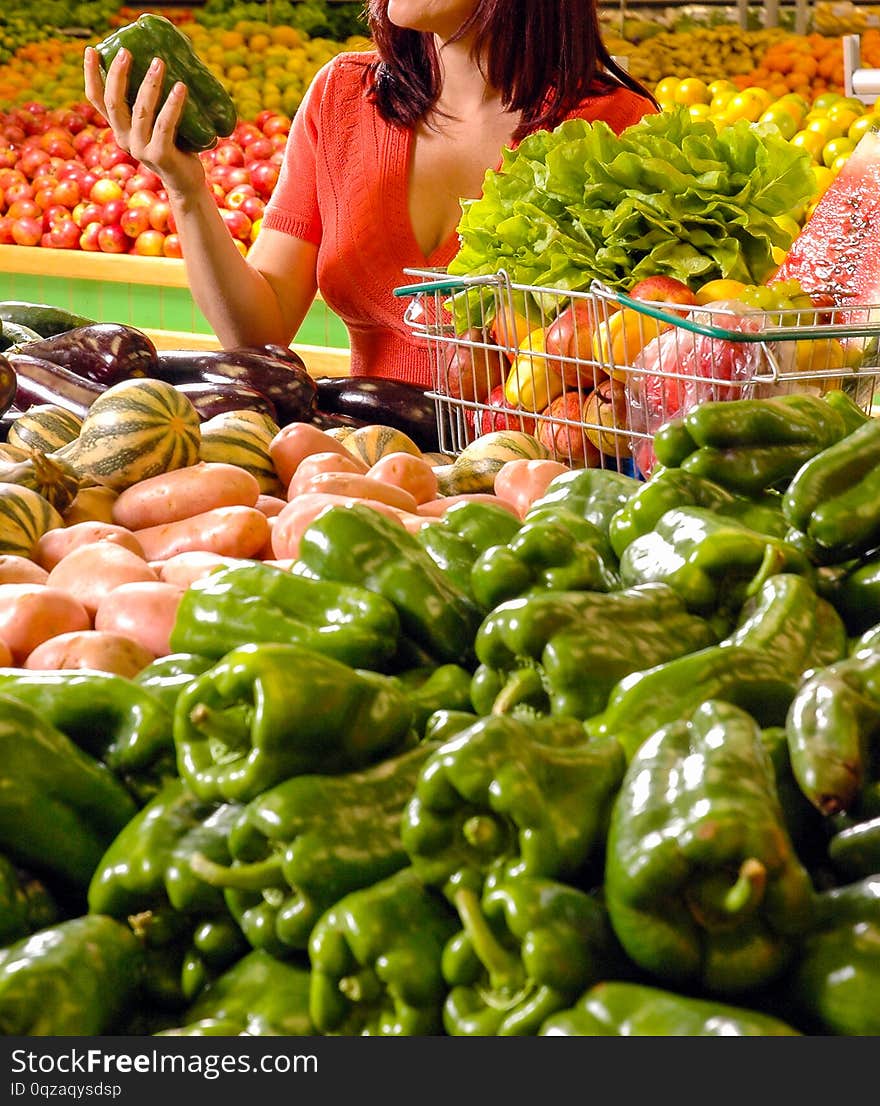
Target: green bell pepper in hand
x,y
266,712
110,717
713,562
644,701
837,977
788,621
619,1008
375,961
73,979
25,903
359,546
592,494
702,883
554,550
753,444
259,602
303,844
257,997
509,796
59,807
673,487
833,727
562,653
528,947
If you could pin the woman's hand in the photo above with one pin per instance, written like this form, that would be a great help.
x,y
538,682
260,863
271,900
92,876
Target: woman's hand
x,y
147,129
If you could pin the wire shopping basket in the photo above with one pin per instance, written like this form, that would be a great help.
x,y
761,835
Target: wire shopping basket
x,y
594,374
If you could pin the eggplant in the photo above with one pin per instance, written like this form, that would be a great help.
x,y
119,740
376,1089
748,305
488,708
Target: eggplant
x,y
376,399
286,384
104,353
42,381
325,421
212,398
8,384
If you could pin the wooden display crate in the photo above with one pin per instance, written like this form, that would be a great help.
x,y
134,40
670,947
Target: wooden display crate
x,y
152,294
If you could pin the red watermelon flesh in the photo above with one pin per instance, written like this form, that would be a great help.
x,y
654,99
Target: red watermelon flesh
x,y
838,250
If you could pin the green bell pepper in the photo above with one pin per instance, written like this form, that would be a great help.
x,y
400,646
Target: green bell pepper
x,y
73,979
787,620
25,903
509,796
592,494
563,652
463,531
527,948
673,487
259,602
109,716
702,883
754,444
257,997
711,561
359,546
303,844
165,677
59,807
553,550
208,112
854,850
446,687
855,594
375,961
835,497
644,701
266,712
623,1009
837,977
832,728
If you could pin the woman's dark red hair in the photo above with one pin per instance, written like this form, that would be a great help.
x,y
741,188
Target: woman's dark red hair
x,y
544,57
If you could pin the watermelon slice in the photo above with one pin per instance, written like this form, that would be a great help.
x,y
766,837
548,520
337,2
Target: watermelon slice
x,y
838,249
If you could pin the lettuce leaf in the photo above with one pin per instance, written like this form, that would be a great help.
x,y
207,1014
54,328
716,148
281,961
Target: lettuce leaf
x,y
669,195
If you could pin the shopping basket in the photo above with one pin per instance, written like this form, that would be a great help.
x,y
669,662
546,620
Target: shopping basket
x,y
619,367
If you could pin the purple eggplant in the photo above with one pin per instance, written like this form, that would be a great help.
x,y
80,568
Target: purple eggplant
x,y
8,384
104,353
214,397
325,421
375,399
288,386
42,381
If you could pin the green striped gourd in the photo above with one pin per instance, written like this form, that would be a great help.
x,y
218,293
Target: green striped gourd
x,y
25,516
136,429
374,441
242,438
44,427
475,467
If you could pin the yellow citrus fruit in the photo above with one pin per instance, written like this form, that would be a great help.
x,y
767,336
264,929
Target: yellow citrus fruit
x,y
811,141
720,100
783,120
743,105
721,85
826,99
698,111
664,90
824,177
788,223
724,288
760,94
824,125
870,121
692,90
839,163
835,149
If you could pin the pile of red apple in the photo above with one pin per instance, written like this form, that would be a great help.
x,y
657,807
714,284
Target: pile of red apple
x,y
66,184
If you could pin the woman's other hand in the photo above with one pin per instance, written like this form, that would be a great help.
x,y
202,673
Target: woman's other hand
x,y
145,130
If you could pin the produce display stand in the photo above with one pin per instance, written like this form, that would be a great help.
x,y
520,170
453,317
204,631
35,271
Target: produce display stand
x,y
152,294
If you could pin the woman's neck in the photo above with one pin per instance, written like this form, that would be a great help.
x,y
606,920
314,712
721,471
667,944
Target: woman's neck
x,y
464,89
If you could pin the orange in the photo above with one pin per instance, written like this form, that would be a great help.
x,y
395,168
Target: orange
x,y
721,289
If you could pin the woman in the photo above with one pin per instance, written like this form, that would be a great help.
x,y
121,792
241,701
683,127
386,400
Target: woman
x,y
382,149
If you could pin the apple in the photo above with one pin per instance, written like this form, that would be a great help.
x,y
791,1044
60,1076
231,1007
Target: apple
x,y
31,158
88,240
6,238
113,239
218,192
264,176
237,194
10,175
123,171
26,231
111,154
24,209
562,433
570,335
8,157
238,174
43,194
471,372
85,213
112,211
258,150
171,245
149,243
143,179
663,289
12,132
245,133
237,223
143,197
134,221
88,179
276,125
53,214
228,153
161,217
502,416
607,406
68,192
91,156
84,140
63,234
19,190
105,189
253,207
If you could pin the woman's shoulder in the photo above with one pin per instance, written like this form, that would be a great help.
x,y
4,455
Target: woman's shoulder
x,y
614,104
342,78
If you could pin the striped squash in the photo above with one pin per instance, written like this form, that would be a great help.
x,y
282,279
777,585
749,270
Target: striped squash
x,y
242,438
374,441
54,479
44,427
25,516
136,429
504,445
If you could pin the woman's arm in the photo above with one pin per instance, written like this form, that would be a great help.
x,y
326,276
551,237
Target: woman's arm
x,y
261,299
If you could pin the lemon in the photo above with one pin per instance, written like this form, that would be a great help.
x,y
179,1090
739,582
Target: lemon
x,y
692,90
811,141
837,148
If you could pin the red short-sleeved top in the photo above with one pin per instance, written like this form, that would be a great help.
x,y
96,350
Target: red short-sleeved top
x,y
343,187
